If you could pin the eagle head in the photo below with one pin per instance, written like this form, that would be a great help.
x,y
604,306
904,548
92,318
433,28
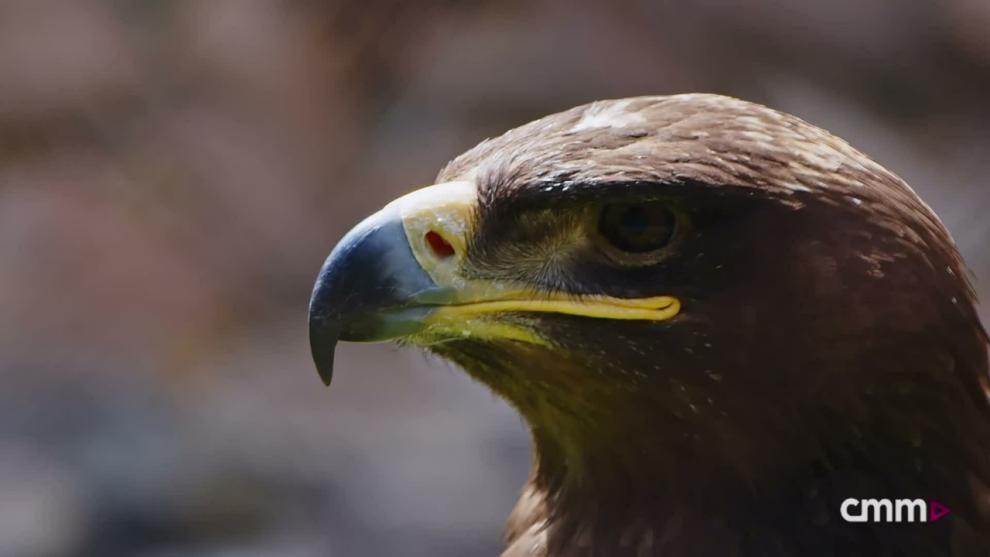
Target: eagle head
x,y
718,320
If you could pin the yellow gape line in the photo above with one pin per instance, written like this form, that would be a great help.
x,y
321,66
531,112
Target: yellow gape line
x,y
659,308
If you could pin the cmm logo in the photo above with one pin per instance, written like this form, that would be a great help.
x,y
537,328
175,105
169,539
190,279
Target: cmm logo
x,y
892,510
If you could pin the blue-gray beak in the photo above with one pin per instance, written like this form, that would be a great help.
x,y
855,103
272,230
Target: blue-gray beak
x,y
371,288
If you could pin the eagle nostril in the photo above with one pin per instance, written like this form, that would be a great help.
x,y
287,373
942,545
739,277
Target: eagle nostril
x,y
440,246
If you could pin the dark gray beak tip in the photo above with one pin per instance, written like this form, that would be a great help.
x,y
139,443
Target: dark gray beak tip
x,y
323,357
322,343
324,326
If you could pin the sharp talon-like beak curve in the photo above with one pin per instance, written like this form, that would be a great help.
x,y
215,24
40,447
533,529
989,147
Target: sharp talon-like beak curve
x,y
398,274
366,289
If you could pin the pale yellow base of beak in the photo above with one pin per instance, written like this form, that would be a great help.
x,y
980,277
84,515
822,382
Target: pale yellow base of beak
x,y
658,308
480,319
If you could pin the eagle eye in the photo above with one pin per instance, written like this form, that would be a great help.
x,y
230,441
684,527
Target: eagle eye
x,y
637,228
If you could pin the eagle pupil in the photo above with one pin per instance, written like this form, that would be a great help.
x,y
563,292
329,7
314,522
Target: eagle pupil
x,y
637,228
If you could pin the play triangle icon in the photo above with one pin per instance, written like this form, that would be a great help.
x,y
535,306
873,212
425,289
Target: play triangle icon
x,y
936,510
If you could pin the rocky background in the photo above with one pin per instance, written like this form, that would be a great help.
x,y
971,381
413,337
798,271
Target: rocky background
x,y
172,174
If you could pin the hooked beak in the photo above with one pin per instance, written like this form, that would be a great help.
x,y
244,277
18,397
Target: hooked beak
x,y
397,274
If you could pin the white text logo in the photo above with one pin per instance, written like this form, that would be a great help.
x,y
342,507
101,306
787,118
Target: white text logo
x,y
892,510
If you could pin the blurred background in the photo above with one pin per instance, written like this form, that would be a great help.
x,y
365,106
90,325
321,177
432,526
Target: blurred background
x,y
173,173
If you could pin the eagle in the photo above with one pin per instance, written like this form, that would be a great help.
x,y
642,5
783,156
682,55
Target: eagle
x,y
720,323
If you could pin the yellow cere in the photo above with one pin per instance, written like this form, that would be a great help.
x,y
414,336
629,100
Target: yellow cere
x,y
444,209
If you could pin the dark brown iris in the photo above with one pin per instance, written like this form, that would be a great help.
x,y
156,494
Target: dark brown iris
x,y
637,228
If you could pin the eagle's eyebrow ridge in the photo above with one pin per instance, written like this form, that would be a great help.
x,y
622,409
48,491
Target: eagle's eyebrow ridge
x,y
563,194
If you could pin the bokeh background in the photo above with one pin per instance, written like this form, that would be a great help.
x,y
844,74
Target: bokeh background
x,y
172,174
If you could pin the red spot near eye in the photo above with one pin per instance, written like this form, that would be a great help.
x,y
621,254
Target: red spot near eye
x,y
439,245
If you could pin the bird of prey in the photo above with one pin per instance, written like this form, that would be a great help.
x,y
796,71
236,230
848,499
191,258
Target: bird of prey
x,y
719,321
